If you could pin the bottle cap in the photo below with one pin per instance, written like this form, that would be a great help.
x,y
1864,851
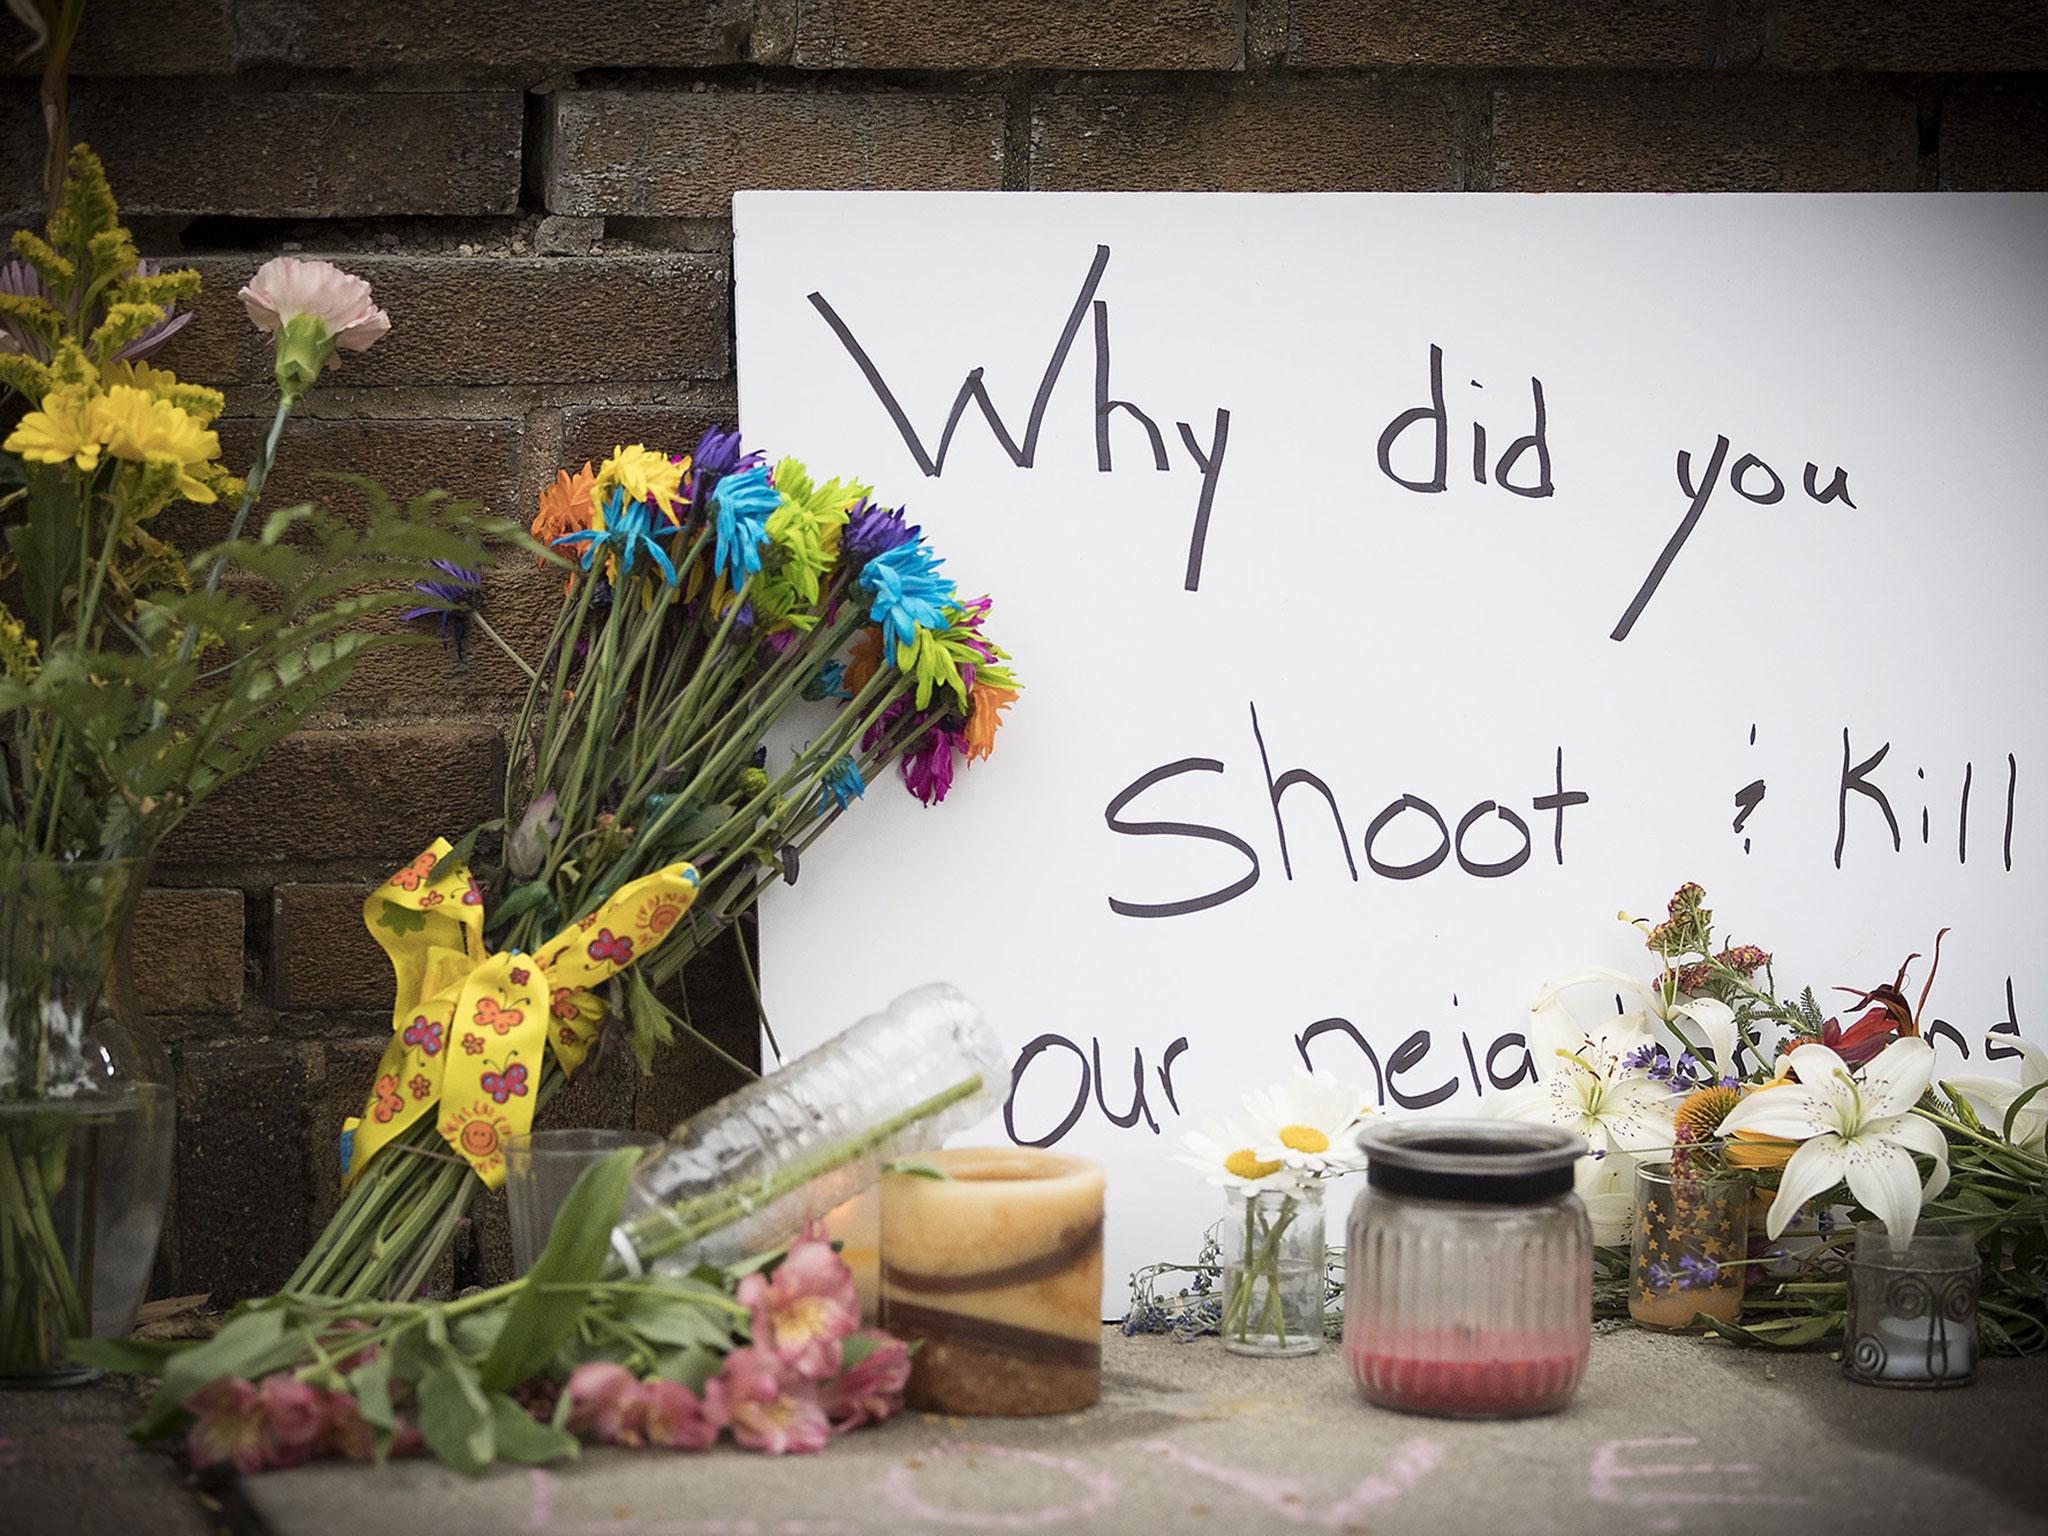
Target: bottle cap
x,y
1478,1162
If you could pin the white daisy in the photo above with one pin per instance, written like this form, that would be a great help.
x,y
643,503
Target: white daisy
x,y
1310,1123
1223,1153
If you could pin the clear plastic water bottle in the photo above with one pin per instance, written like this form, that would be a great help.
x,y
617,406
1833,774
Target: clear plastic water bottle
x,y
745,1175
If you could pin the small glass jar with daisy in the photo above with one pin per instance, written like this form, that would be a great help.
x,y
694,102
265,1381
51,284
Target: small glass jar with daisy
x,y
1271,1161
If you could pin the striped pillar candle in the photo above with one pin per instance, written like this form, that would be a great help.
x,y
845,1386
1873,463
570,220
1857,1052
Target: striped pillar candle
x,y
992,1260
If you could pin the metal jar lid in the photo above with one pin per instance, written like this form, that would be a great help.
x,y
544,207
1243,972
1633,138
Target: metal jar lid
x,y
1478,1162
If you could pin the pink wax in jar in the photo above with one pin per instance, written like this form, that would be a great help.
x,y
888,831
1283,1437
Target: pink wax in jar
x,y
1469,1276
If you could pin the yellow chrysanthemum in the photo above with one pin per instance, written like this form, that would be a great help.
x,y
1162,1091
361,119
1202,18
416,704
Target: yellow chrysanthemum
x,y
643,475
64,431
138,427
195,400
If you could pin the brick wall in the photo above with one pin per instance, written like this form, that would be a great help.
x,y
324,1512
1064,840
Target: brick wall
x,y
540,195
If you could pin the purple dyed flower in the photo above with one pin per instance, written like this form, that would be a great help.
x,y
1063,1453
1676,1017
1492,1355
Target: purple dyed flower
x,y
718,453
18,277
453,602
874,733
1696,1273
928,765
871,529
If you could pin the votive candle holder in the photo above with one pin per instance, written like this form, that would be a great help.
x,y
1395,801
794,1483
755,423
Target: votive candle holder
x,y
1912,1309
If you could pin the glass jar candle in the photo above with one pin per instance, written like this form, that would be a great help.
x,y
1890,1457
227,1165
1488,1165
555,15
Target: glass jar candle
x,y
1912,1309
1469,1269
1687,1243
992,1267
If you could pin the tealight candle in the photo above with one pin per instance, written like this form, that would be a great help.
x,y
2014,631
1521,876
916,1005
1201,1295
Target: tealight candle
x,y
992,1263
1912,1309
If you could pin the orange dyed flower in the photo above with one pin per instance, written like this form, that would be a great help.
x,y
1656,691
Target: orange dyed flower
x,y
984,715
865,660
566,506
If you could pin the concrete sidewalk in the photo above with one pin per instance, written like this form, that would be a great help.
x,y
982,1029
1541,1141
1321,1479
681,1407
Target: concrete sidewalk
x,y
1668,1435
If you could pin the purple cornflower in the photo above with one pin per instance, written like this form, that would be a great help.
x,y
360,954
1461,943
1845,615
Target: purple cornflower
x,y
871,529
453,602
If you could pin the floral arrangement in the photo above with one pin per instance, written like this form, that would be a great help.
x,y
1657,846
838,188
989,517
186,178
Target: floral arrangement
x,y
1271,1157
713,603
137,679
1707,1069
770,1352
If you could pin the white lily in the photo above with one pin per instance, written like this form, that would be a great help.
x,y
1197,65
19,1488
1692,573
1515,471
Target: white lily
x,y
1858,1130
1991,1097
1618,1012
1623,1116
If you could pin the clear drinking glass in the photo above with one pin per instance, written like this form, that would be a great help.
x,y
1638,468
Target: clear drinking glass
x,y
1912,1309
1688,1225
1275,1265
1468,1283
541,1168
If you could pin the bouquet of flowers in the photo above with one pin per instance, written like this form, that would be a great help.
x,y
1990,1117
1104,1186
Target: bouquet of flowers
x,y
770,1351
714,603
135,680
1707,1069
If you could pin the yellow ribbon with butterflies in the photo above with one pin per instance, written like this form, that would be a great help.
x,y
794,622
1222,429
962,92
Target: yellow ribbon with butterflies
x,y
470,1028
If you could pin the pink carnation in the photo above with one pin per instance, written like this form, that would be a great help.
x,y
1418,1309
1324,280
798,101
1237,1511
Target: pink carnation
x,y
286,287
805,1309
872,1390
773,1410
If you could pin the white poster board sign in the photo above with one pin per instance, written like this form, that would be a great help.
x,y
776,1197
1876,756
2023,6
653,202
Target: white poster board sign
x,y
1402,585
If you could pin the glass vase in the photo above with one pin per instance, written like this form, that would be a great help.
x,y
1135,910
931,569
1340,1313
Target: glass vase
x,y
86,1118
1690,1227
1275,1269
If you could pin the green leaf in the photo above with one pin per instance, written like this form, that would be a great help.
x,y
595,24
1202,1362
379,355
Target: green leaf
x,y
856,1348
456,1418
253,1343
461,852
370,1385
523,1438
692,1365
520,898
130,1357
677,1320
475,1333
539,1320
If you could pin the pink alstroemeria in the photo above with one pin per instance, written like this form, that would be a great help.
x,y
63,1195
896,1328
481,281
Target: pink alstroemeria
x,y
871,1391
227,1425
604,1403
805,1309
672,1415
773,1410
296,1416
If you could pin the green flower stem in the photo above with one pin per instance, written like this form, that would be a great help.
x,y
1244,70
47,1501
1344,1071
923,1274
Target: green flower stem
x,y
655,1236
498,640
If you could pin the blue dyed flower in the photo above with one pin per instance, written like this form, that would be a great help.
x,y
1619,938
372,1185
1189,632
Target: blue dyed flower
x,y
843,783
454,600
348,1149
909,593
830,683
870,530
628,529
740,505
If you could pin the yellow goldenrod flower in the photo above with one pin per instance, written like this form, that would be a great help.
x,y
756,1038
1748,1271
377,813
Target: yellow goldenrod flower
x,y
138,427
64,431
